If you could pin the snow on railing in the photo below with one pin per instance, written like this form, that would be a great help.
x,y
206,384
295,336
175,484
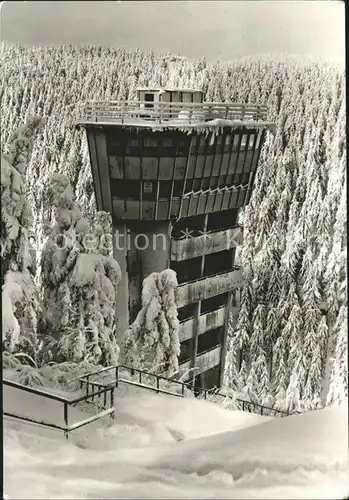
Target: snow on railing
x,y
169,385
128,111
103,390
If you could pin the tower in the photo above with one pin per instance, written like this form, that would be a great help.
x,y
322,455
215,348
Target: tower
x,y
173,171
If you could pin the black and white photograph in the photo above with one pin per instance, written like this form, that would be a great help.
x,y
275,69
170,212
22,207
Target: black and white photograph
x,y
174,249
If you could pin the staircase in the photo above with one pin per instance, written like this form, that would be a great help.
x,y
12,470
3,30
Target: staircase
x,y
101,395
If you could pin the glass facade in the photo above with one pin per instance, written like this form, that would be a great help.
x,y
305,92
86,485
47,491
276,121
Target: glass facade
x,y
149,171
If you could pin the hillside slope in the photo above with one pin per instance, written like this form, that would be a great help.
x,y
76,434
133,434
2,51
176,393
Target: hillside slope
x,y
139,456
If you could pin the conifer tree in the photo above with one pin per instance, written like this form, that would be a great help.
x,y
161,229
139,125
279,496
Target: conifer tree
x,y
238,337
292,403
257,342
279,373
242,378
79,283
19,293
152,340
338,390
263,387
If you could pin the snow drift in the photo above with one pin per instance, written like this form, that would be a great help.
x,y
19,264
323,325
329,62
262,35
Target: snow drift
x,y
219,454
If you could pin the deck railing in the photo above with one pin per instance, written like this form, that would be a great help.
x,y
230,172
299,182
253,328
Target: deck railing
x,y
161,385
98,390
121,112
105,390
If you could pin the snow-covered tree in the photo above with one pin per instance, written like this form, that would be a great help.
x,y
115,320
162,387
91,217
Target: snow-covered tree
x,y
263,387
242,378
338,390
238,340
257,341
279,372
152,340
19,293
292,403
312,390
231,379
80,280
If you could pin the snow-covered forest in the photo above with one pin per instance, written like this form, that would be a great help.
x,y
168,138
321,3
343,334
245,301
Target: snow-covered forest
x,y
290,341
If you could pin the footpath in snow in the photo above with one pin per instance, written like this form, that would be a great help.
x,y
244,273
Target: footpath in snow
x,y
165,447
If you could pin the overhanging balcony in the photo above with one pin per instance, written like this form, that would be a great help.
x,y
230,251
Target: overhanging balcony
x,y
204,362
208,360
205,288
190,247
143,112
206,322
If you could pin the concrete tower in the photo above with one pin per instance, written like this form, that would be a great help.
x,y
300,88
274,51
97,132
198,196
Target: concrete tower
x,y
173,172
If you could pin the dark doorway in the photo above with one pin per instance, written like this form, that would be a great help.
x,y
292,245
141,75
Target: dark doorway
x,y
149,98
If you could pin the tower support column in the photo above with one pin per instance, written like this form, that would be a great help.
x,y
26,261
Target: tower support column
x,y
120,254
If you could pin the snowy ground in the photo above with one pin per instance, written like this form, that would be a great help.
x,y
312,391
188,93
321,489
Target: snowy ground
x,y
166,447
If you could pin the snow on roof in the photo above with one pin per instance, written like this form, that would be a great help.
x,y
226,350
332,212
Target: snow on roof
x,y
167,89
184,126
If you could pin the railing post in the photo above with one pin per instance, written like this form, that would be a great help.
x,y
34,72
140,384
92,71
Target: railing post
x,y
87,385
66,420
243,405
116,376
105,399
112,415
157,384
182,389
140,377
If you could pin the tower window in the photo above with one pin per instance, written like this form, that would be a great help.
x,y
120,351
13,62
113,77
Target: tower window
x,y
149,98
165,189
150,142
243,141
251,141
125,189
167,143
258,140
236,142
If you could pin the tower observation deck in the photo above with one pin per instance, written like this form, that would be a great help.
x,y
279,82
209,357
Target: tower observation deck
x,y
173,171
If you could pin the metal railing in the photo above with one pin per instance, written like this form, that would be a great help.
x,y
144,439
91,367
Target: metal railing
x,y
97,390
144,376
160,112
66,404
